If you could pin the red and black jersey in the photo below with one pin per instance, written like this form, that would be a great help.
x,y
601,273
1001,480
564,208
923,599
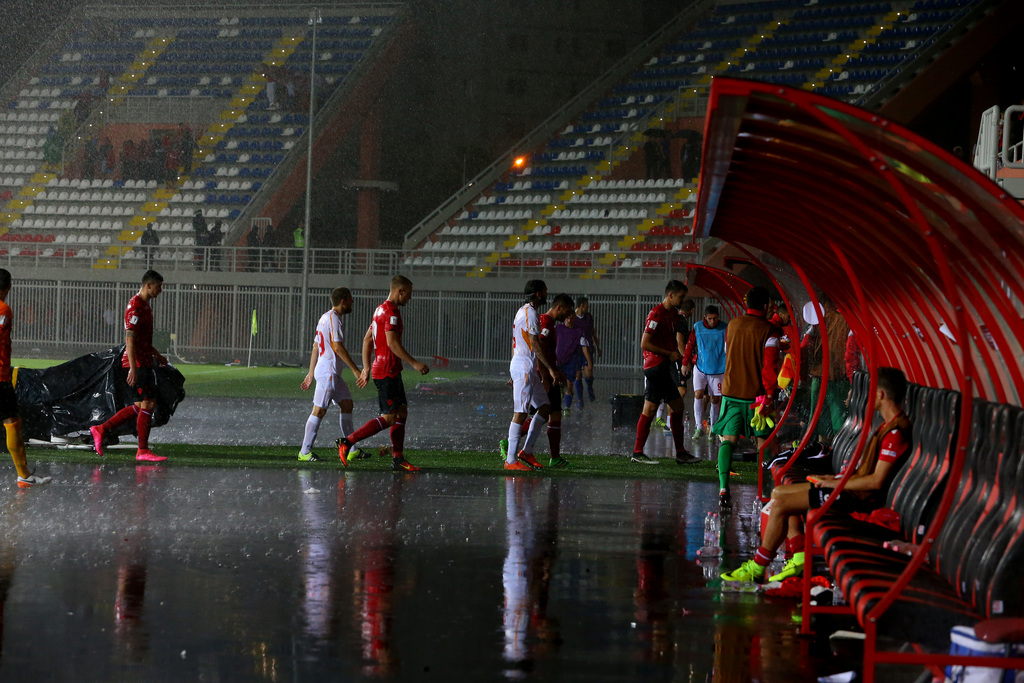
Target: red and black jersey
x,y
661,325
387,318
138,319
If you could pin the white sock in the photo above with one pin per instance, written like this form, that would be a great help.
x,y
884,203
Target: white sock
x,y
514,430
345,422
714,412
312,427
698,411
536,427
662,411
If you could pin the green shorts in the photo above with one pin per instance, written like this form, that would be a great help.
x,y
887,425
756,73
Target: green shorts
x,y
734,419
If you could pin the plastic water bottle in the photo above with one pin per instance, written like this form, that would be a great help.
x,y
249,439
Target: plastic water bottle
x,y
712,531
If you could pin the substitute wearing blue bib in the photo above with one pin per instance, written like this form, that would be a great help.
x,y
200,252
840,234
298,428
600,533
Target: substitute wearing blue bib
x,y
710,348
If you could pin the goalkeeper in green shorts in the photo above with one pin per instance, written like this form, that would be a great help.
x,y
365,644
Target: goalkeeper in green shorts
x,y
749,384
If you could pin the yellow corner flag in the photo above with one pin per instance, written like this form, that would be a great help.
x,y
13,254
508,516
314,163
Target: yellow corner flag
x,y
254,322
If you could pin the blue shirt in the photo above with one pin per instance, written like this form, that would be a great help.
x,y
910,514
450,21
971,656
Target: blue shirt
x,y
710,348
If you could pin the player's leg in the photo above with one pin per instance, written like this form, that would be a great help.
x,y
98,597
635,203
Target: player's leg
x,y
520,374
588,377
15,443
145,383
675,421
373,426
699,390
715,394
578,382
538,398
554,393
567,370
398,462
127,414
321,400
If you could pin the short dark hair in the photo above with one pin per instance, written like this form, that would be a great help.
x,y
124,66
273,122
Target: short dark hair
x,y
562,300
581,300
675,286
894,383
151,276
534,287
757,298
687,306
339,294
711,309
5,279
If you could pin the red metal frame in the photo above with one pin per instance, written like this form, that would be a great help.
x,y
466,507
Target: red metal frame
x,y
919,235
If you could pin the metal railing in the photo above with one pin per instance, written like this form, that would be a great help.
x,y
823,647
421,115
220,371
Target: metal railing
x,y
556,121
196,322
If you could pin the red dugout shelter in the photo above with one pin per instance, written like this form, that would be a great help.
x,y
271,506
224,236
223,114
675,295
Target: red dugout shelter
x,y
922,253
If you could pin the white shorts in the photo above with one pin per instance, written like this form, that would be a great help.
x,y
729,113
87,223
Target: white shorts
x,y
527,387
330,388
712,384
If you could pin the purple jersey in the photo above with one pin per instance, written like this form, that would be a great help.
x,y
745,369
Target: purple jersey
x,y
585,323
568,342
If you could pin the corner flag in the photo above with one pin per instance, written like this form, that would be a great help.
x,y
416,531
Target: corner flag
x,y
254,322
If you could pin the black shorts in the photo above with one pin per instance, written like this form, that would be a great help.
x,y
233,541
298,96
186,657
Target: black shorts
x,y
390,394
8,402
659,384
554,395
676,369
846,502
145,383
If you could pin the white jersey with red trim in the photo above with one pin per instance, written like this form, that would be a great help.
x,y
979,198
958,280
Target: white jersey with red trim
x,y
328,329
525,325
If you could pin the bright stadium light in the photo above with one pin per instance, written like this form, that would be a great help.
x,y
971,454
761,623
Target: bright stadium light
x,y
519,162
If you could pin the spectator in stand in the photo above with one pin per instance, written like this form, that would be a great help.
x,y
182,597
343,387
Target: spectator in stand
x,y
254,243
53,151
652,158
186,148
216,236
106,157
202,237
149,241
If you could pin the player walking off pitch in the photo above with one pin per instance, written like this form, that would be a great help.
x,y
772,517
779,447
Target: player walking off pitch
x,y
384,337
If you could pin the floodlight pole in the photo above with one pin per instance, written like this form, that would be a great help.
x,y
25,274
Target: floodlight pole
x,y
314,19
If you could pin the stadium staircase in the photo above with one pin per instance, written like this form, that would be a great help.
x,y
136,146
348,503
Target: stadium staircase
x,y
141,68
579,205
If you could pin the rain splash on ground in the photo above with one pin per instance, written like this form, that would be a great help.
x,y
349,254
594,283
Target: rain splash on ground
x,y
164,573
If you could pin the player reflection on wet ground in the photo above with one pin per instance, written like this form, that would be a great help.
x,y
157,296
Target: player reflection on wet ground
x,y
468,414
170,574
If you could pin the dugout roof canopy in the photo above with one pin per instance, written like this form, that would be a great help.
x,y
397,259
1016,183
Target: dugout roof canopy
x,y
922,254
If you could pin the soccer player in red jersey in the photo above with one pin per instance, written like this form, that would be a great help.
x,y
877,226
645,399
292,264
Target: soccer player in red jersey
x,y
384,337
865,490
139,357
8,399
660,351
561,307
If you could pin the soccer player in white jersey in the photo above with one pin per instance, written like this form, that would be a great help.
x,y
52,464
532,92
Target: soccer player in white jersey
x,y
527,386
325,367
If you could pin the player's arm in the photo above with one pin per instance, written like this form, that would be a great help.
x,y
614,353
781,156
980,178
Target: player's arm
x,y
341,352
364,376
129,350
867,482
593,335
647,344
307,381
689,351
395,344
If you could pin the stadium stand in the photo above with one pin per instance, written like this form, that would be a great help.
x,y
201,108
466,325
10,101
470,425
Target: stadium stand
x,y
581,206
129,75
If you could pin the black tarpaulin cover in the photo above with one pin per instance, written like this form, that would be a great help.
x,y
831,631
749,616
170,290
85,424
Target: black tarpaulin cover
x,y
71,397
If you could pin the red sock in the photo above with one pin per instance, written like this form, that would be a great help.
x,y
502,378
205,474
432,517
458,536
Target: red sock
x,y
643,430
675,423
397,438
142,425
555,441
795,544
763,556
121,417
367,430
526,425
